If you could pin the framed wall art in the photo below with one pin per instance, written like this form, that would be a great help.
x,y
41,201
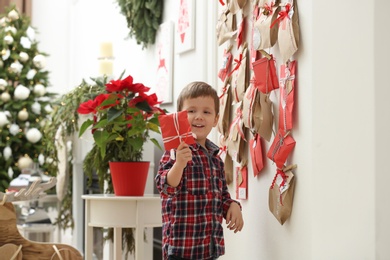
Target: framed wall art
x,y
185,33
164,62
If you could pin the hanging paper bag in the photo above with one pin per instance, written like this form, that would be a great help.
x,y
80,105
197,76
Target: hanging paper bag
x,y
226,26
236,5
242,183
266,36
224,109
256,151
265,74
267,117
240,75
247,106
287,90
236,141
175,129
281,148
257,112
240,33
227,63
281,194
228,161
288,33
253,51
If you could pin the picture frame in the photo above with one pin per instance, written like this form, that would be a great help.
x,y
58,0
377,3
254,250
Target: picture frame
x,y
164,62
185,32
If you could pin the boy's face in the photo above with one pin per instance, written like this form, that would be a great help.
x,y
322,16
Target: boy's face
x,y
201,116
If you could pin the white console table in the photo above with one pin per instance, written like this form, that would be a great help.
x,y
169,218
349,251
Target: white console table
x,y
117,212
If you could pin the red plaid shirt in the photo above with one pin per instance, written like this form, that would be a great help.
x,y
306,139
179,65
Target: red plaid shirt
x,y
192,212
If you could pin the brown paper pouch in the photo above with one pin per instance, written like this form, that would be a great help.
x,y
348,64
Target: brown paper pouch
x,y
288,34
263,35
267,118
280,204
226,26
240,75
224,109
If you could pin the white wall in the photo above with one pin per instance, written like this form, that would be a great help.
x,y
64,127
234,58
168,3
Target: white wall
x,y
340,206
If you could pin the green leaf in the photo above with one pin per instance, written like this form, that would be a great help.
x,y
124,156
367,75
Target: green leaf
x,y
85,126
156,143
137,143
113,113
101,124
144,106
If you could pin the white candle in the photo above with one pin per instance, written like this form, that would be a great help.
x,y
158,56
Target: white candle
x,y
106,67
106,50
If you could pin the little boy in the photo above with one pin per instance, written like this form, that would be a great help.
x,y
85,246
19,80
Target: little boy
x,y
193,190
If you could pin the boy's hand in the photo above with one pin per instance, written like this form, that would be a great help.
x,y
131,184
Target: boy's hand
x,y
234,218
183,154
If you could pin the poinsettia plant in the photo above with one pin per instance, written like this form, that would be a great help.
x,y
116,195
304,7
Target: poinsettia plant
x,y
123,117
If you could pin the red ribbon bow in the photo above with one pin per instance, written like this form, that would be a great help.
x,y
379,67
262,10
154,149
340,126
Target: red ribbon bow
x,y
238,64
282,15
284,179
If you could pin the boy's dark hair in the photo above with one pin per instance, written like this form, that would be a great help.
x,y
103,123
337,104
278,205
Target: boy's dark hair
x,y
198,89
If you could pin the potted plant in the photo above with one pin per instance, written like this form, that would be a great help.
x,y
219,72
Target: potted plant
x,y
123,116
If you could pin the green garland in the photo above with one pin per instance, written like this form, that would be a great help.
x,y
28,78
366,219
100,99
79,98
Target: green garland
x,y
143,19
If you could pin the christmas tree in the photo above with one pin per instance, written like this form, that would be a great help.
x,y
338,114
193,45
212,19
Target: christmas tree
x,y
24,98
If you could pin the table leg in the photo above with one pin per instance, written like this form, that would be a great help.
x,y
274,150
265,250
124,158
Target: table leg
x,y
117,243
139,232
88,233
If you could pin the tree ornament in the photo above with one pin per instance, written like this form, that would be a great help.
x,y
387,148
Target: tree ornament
x,y
31,74
14,129
25,42
36,108
3,22
39,61
7,152
3,84
3,119
48,109
23,57
23,115
5,54
13,15
10,172
5,97
21,92
24,162
16,67
49,160
41,159
30,33
39,89
33,135
10,29
8,39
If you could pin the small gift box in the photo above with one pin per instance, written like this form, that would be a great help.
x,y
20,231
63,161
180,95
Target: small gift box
x,y
175,129
265,74
287,89
281,148
256,152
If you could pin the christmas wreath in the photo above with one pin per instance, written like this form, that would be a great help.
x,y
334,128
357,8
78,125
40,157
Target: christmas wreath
x,y
143,19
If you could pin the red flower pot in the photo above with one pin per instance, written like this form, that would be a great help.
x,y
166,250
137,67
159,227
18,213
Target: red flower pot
x,y
129,178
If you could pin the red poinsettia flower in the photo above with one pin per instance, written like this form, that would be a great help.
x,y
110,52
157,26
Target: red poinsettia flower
x,y
91,106
119,85
151,100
